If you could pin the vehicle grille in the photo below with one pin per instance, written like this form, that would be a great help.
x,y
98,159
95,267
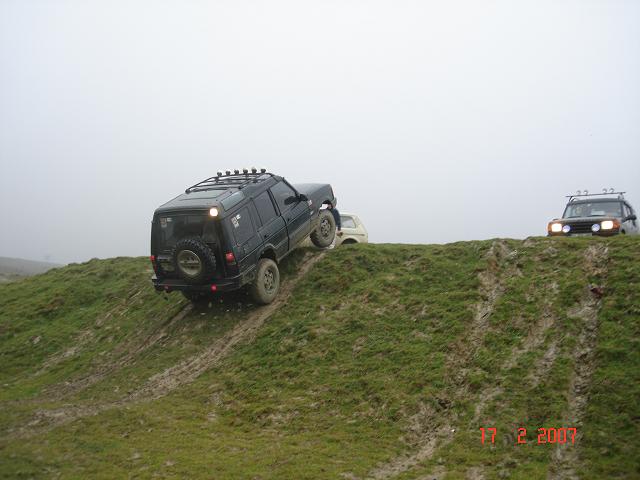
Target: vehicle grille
x,y
582,227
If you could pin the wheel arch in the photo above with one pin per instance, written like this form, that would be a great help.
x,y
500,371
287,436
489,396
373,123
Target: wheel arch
x,y
349,241
269,252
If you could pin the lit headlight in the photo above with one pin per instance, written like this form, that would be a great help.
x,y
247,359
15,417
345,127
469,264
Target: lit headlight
x,y
607,225
556,227
213,212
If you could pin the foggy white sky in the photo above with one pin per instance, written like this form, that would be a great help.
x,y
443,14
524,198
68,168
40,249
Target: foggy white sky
x,y
434,121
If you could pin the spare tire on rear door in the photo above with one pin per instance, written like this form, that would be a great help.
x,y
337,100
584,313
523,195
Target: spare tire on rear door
x,y
325,232
193,260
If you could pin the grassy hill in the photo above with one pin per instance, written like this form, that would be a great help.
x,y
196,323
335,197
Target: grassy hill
x,y
12,269
377,361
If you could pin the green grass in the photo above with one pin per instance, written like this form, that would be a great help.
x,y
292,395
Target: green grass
x,y
330,384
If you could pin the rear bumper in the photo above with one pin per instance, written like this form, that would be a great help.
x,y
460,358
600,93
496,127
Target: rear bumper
x,y
177,284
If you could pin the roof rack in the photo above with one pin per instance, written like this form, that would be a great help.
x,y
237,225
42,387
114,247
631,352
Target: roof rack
x,y
586,193
229,179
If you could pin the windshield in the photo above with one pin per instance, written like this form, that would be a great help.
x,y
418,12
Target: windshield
x,y
595,209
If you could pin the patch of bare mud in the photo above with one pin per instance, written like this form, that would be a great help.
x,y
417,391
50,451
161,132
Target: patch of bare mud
x,y
475,473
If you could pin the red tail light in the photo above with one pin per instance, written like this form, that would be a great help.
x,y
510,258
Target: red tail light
x,y
230,258
153,262
214,288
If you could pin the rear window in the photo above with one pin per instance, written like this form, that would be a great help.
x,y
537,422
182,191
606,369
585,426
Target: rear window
x,y
172,228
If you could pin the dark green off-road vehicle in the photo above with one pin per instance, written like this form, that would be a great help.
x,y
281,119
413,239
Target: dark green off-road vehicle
x,y
231,230
596,214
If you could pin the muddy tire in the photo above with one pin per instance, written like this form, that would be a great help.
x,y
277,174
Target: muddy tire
x,y
265,287
325,232
193,260
194,296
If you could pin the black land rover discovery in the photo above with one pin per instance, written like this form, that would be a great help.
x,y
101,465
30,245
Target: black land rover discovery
x,y
231,230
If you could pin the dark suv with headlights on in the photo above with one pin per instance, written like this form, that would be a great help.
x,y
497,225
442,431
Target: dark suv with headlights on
x,y
231,230
600,214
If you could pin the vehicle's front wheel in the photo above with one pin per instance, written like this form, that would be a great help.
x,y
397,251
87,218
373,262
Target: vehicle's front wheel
x,y
266,285
325,232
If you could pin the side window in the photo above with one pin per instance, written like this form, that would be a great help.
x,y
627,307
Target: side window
x,y
347,222
627,210
232,200
265,208
242,226
281,191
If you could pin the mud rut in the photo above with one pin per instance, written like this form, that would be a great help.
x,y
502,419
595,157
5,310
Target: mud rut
x,y
565,457
492,287
165,382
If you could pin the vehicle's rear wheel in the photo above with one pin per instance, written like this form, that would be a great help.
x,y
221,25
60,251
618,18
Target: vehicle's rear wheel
x,y
193,260
266,285
325,232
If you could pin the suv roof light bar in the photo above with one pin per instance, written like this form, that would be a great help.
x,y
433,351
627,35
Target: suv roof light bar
x,y
239,180
587,194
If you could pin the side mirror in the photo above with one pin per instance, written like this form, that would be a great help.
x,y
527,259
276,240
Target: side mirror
x,y
631,217
302,197
291,200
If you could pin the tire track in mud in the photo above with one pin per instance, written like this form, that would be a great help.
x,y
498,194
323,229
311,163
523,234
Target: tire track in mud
x,y
87,335
180,374
130,351
587,311
492,288
533,341
565,457
431,429
188,370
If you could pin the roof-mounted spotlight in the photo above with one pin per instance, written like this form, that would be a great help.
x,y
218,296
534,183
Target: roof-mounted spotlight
x,y
219,173
254,170
263,170
245,170
236,171
227,172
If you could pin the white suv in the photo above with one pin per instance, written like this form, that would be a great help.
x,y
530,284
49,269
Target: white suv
x,y
353,230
